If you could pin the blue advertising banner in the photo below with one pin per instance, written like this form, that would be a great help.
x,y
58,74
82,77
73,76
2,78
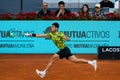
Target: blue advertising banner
x,y
85,36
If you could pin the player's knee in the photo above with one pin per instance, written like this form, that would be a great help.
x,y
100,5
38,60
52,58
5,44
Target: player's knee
x,y
54,57
74,60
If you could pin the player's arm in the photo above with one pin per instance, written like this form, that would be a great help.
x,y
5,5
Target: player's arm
x,y
39,35
42,36
66,38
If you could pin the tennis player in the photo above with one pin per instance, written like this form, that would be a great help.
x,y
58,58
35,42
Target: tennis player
x,y
64,52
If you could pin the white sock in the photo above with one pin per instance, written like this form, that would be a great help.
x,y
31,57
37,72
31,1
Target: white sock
x,y
45,71
90,62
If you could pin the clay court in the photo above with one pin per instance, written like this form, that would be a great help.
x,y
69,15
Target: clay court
x,y
22,67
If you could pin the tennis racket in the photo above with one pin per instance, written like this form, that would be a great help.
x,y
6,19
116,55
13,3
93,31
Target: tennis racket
x,y
15,33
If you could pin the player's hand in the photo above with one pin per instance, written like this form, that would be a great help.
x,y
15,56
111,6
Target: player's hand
x,y
66,38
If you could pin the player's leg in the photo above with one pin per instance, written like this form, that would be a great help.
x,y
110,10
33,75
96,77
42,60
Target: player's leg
x,y
73,58
54,58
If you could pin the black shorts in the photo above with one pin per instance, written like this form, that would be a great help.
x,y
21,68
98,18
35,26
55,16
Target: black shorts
x,y
64,53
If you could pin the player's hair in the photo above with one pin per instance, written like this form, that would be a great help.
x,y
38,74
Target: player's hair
x,y
61,2
56,25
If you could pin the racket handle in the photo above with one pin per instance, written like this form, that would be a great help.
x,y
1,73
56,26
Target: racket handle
x,y
27,34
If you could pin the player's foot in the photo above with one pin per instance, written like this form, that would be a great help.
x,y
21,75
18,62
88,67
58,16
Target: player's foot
x,y
41,73
94,63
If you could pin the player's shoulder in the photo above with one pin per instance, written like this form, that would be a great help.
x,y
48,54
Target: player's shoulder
x,y
49,34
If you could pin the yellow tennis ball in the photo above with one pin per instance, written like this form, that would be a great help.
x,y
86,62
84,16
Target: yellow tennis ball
x,y
11,34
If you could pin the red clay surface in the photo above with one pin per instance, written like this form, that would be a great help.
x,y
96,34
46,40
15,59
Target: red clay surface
x,y
22,67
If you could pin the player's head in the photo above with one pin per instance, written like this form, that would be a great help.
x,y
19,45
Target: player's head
x,y
55,27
